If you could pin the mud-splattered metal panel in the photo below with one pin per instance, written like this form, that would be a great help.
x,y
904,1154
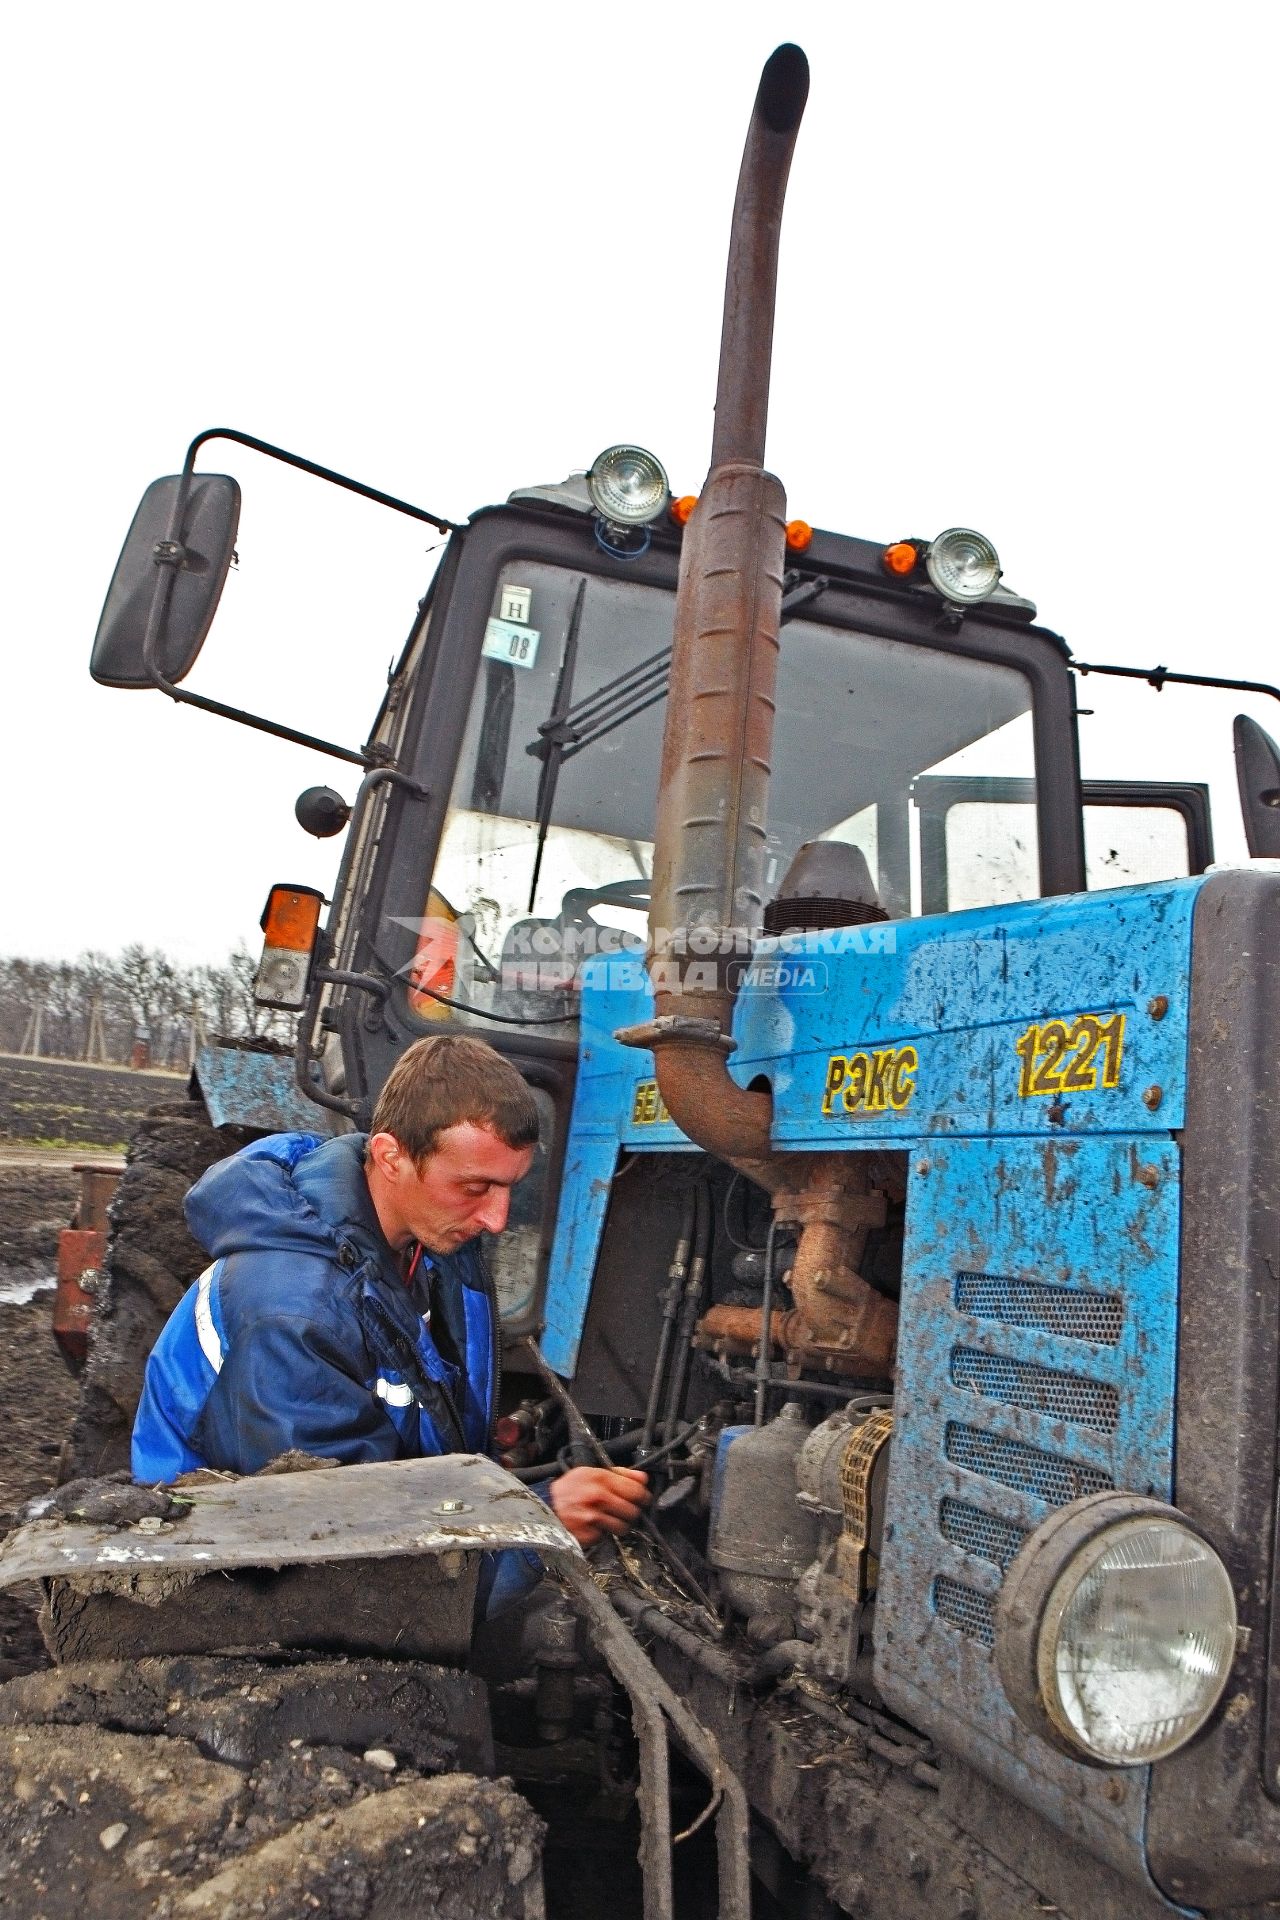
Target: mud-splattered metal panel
x,y
1036,1362
374,1510
1066,1014
245,1089
615,1105
1045,1018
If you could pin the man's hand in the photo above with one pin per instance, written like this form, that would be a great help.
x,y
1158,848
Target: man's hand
x,y
592,1501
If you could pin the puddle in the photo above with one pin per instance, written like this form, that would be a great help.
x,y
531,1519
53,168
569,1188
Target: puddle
x,y
20,1293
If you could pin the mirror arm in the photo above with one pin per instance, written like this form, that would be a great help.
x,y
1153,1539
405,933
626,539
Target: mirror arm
x,y
366,757
310,466
170,555
1156,677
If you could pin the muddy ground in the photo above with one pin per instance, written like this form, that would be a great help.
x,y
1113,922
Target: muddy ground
x,y
69,1103
169,1787
37,1393
299,1786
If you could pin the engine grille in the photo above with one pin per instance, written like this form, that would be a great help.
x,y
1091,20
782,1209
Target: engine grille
x,y
981,1534
966,1609
1013,1464
1037,1372
1076,1312
1062,1396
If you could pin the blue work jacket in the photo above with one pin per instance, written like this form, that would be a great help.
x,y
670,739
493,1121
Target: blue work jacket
x,y
302,1332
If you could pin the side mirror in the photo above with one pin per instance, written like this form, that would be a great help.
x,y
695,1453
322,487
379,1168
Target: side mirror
x,y
321,811
1258,775
189,578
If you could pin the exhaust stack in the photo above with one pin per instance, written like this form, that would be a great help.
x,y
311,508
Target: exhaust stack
x,y
711,834
708,881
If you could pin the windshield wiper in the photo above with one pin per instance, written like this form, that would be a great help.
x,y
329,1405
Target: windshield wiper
x,y
568,729
551,744
600,712
630,692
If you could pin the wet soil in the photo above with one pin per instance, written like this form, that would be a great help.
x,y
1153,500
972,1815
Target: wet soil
x,y
189,1786
211,1787
75,1104
37,1391
119,1825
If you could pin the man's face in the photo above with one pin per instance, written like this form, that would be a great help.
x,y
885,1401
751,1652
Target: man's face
x,y
460,1190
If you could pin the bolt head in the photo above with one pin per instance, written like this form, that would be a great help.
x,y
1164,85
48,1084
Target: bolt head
x,y
452,1506
1158,1005
1151,1098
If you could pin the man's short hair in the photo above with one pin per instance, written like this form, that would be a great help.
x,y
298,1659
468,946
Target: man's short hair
x,y
446,1081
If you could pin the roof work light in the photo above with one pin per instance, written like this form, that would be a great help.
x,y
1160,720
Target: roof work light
x,y
963,566
628,489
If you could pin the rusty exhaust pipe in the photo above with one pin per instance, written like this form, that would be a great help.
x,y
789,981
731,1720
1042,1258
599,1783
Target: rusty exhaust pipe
x,y
710,841
711,835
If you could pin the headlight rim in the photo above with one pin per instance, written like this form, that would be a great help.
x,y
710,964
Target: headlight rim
x,y
1030,1584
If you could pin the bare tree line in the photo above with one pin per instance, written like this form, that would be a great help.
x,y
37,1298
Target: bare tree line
x,y
135,1007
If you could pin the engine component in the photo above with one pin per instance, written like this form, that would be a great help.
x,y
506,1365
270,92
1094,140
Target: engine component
x,y
734,1331
672,1295
840,1472
690,1301
761,1538
523,1435
836,1209
556,1664
828,884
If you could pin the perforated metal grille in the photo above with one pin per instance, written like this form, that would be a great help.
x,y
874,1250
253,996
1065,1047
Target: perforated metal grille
x,y
983,1534
964,1608
1014,1464
1061,1396
1075,1312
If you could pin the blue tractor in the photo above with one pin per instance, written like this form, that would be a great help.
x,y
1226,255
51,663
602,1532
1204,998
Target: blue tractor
x,y
907,1199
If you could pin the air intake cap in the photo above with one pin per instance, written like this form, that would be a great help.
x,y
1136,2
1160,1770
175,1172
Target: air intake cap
x,y
828,884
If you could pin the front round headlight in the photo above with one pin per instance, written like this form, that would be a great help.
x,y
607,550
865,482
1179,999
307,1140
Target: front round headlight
x,y
628,486
1116,1630
963,566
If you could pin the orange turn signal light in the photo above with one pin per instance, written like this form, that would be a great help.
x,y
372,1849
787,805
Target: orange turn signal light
x,y
799,535
901,558
290,918
681,509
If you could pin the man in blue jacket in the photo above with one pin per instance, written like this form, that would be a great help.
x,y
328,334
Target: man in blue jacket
x,y
347,1311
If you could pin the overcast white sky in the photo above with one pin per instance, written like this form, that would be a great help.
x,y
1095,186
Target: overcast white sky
x,y
1027,285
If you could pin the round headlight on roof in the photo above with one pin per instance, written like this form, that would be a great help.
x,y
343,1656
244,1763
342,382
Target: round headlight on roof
x,y
1115,1630
963,566
628,486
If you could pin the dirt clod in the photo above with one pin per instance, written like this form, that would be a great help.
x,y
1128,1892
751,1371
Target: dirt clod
x,y
114,1501
188,1782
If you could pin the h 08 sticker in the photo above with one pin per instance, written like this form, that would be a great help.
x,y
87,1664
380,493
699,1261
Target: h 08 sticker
x,y
1076,1055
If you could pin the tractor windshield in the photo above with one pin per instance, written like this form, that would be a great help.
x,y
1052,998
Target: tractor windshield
x,y
548,842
